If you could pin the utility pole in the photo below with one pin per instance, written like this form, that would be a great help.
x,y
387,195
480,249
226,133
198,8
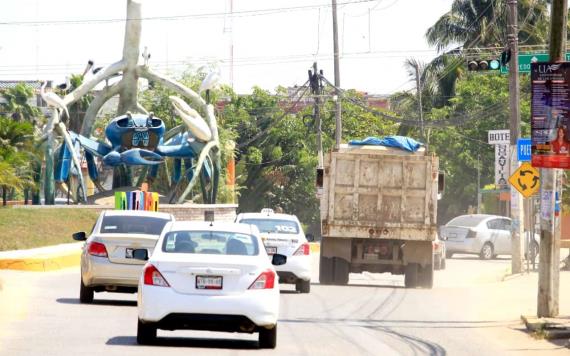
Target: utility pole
x,y
517,227
479,184
420,107
338,132
315,80
550,181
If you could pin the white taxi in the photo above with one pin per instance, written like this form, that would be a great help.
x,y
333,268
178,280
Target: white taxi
x,y
282,233
209,276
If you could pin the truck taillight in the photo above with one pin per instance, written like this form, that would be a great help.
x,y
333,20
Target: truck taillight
x,y
266,280
303,250
152,277
96,249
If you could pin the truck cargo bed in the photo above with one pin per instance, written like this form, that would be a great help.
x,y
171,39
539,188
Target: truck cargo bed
x,y
379,192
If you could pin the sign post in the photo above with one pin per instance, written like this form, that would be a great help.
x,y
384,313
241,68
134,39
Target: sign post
x,y
550,120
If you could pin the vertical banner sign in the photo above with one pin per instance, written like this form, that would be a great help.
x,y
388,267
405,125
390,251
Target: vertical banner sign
x,y
501,164
550,114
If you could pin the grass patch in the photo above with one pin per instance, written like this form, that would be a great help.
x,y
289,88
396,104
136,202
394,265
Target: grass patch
x,y
29,228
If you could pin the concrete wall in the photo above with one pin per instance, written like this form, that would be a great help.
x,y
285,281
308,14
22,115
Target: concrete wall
x,y
223,212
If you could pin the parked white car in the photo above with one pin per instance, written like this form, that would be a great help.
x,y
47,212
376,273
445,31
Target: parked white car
x,y
283,234
209,276
107,263
484,235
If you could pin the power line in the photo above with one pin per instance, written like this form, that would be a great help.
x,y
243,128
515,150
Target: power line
x,y
244,13
278,120
438,123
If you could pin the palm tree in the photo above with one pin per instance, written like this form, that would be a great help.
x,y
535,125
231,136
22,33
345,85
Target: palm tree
x,y
483,23
407,103
16,102
15,155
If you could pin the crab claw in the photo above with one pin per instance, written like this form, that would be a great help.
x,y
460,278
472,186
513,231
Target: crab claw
x,y
195,123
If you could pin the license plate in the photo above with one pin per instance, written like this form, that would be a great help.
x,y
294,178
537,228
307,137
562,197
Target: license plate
x,y
129,252
271,250
209,282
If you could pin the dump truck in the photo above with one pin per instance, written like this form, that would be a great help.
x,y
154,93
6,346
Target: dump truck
x,y
378,213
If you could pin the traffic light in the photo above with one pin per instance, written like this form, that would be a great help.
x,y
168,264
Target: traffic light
x,y
483,64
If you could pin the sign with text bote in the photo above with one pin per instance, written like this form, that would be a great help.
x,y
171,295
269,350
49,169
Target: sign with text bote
x,y
496,137
550,115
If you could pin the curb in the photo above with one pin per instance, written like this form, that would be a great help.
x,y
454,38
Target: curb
x,y
42,259
52,258
549,328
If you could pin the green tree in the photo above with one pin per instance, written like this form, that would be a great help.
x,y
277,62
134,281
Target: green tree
x,y
15,156
481,104
16,102
483,23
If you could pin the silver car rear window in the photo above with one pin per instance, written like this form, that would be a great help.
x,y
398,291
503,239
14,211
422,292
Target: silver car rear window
x,y
274,226
132,225
210,242
466,220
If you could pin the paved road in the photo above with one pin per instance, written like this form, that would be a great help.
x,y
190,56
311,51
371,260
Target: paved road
x,y
375,315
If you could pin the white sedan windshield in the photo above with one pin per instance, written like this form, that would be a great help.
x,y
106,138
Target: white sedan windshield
x,y
275,226
210,242
466,221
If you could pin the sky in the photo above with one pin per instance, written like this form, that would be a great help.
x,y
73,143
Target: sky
x,y
274,42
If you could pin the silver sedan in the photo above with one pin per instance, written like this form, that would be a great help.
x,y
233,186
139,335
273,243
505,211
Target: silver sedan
x,y
107,262
484,235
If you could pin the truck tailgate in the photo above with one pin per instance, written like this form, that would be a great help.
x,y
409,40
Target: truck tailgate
x,y
379,193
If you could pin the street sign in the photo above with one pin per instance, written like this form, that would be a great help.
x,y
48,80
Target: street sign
x,y
496,137
501,167
523,149
526,180
526,59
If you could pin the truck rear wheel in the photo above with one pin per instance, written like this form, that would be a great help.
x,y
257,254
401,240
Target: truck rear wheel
x,y
411,275
326,270
425,276
341,270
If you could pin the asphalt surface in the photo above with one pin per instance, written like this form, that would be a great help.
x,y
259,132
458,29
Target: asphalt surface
x,y
374,315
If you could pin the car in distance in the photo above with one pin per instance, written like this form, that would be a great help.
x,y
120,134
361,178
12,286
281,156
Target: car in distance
x,y
481,234
283,234
209,276
107,262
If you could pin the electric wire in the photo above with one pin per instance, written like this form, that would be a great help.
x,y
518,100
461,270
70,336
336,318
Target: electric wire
x,y
243,13
278,120
438,123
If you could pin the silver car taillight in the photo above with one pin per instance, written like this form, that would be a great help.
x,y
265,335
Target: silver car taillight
x,y
471,234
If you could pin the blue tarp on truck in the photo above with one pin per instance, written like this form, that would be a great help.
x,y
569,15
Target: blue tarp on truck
x,y
402,142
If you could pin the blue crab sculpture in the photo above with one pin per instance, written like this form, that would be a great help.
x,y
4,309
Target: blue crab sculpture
x,y
140,140
135,136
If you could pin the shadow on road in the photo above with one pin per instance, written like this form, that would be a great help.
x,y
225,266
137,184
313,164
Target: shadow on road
x,y
288,291
188,342
118,303
363,285
404,324
476,258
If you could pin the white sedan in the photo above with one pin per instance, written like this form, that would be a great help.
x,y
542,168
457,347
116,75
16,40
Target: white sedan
x,y
107,263
209,276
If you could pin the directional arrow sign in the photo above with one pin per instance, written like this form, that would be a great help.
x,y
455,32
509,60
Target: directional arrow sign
x,y
526,180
